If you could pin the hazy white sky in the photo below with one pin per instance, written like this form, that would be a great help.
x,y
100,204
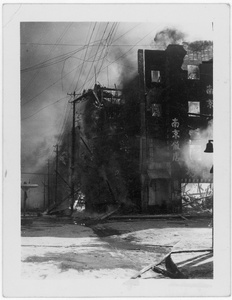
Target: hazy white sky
x,y
54,59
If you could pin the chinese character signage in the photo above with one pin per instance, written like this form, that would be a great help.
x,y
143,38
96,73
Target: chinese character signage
x,y
209,90
175,143
210,103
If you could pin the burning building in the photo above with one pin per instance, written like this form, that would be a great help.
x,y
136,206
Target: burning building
x,y
143,146
176,106
106,146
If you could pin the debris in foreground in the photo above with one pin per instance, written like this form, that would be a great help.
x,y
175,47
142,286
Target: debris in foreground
x,y
172,270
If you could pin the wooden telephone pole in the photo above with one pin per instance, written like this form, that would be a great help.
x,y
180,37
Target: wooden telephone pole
x,y
48,190
73,158
56,171
44,192
143,132
73,153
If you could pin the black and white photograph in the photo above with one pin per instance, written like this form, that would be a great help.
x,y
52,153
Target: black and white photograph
x,y
116,150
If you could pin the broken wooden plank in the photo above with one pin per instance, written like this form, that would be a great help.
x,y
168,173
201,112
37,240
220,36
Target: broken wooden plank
x,y
151,266
163,272
105,216
138,274
193,250
173,269
139,216
182,217
167,273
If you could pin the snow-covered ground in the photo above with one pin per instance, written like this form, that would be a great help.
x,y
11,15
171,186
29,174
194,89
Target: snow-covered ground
x,y
55,249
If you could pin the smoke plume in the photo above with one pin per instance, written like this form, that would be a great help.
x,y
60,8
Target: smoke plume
x,y
196,160
168,36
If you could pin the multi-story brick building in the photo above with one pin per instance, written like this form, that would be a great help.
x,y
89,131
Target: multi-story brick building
x,y
176,100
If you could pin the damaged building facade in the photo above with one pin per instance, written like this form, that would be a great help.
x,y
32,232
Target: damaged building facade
x,y
142,147
176,106
106,149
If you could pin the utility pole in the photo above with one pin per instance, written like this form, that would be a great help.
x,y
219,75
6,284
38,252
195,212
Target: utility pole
x,y
73,153
143,132
73,157
48,186
56,171
44,192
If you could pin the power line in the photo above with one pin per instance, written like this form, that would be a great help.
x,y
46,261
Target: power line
x,y
64,123
101,54
62,35
50,61
85,55
96,54
115,30
105,48
109,38
66,116
82,45
126,33
65,119
78,66
23,90
59,39
52,84
65,126
109,46
67,112
44,108
121,56
55,60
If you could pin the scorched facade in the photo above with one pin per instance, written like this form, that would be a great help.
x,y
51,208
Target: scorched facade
x,y
176,106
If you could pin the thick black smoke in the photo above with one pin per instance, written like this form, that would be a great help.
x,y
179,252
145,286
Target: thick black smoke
x,y
168,36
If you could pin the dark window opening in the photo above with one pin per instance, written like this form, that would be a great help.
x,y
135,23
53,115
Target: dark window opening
x,y
155,76
193,72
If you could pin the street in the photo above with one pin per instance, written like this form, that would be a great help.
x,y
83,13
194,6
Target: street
x,y
60,248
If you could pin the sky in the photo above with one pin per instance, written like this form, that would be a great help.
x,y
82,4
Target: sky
x,y
60,57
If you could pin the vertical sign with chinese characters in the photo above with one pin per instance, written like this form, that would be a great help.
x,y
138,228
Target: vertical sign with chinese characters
x,y
209,101
175,140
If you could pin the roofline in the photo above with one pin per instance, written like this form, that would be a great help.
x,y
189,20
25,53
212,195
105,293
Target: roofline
x,y
83,95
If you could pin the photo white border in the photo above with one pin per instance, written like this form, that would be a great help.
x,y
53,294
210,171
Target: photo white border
x,y
13,284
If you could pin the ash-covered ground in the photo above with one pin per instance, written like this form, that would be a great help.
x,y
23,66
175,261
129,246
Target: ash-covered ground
x,y
60,248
